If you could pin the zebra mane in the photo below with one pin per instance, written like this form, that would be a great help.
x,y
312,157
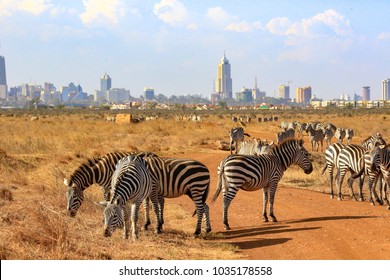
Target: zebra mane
x,y
288,141
88,164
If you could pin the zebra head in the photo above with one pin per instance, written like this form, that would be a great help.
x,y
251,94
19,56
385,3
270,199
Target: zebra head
x,y
113,217
74,197
302,158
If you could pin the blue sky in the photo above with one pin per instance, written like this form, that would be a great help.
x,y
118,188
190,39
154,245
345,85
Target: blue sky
x,y
174,46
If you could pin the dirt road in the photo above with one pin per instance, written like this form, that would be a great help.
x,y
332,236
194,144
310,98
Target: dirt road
x,y
310,226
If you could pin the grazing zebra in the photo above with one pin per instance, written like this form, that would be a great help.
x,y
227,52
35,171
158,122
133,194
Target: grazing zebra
x,y
339,134
179,177
131,183
328,135
175,177
94,171
349,135
351,158
252,173
331,154
255,147
282,136
236,134
316,137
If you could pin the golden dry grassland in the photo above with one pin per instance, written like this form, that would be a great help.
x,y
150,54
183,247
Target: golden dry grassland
x,y
35,156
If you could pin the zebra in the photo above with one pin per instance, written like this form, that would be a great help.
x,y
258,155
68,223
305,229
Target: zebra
x,y
316,137
255,147
351,157
331,154
193,178
236,134
339,134
349,135
285,135
252,173
131,184
328,135
301,127
380,162
94,171
175,177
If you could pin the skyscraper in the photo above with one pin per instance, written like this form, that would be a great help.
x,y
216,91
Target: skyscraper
x,y
366,94
284,91
3,79
386,89
105,82
223,84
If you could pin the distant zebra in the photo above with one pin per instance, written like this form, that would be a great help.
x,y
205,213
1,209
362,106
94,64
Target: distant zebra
x,y
131,184
328,135
301,127
285,135
252,173
339,134
255,147
380,162
331,154
316,137
236,134
349,135
351,158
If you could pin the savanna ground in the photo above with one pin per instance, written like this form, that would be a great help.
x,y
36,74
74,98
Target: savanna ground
x,y
35,156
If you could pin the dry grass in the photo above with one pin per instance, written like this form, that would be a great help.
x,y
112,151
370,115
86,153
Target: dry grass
x,y
35,157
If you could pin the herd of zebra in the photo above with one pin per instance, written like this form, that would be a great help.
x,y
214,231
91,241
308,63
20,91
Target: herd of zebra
x,y
130,179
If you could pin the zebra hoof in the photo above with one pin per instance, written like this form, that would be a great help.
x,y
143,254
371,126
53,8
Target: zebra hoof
x,y
274,219
227,227
380,202
208,230
146,226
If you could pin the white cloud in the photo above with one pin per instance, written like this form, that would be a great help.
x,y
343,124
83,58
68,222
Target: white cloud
x,y
328,23
102,12
35,7
218,15
171,12
384,36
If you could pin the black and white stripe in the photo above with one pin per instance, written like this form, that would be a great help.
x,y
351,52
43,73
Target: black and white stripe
x,y
131,184
251,173
316,137
255,147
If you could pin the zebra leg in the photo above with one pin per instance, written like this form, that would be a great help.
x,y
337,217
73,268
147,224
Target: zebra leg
x,y
265,202
126,216
340,178
225,205
134,219
272,193
361,181
199,213
161,202
206,218
350,183
147,215
330,175
154,198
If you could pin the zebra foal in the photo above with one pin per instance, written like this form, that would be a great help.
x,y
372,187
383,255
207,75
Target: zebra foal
x,y
251,173
131,184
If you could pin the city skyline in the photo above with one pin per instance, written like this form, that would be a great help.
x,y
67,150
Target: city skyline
x,y
174,46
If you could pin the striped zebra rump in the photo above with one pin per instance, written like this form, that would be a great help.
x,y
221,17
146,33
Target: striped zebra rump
x,y
175,177
131,184
350,159
331,154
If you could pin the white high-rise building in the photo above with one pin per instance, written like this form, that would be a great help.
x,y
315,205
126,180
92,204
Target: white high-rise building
x,y
386,89
3,79
223,84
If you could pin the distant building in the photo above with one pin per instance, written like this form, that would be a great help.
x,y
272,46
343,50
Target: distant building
x,y
105,82
118,95
3,79
366,94
245,95
223,84
256,93
149,93
284,91
386,90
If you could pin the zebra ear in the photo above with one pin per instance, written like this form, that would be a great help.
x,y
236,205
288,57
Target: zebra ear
x,y
300,142
66,182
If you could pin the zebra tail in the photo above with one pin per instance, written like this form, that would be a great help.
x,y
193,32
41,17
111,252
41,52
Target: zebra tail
x,y
247,134
219,185
357,175
323,169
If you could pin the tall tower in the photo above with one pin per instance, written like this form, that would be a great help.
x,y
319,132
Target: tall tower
x,y
223,84
105,82
3,79
386,89
366,94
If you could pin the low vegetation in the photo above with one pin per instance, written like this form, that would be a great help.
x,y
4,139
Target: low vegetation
x,y
35,157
